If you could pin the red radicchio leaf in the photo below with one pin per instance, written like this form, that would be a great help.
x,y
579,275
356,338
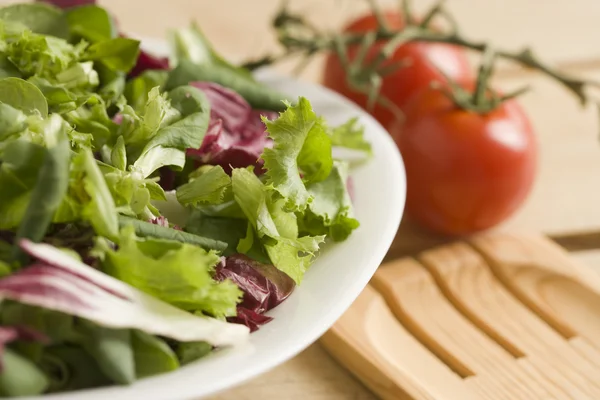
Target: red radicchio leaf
x,y
11,333
249,318
162,221
264,288
147,61
225,104
61,283
236,136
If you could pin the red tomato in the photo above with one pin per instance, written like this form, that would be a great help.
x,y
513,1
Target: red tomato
x,y
402,84
466,172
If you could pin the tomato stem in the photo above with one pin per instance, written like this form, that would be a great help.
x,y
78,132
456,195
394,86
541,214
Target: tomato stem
x,y
297,36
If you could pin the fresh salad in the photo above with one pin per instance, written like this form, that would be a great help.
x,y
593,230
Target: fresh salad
x,y
151,209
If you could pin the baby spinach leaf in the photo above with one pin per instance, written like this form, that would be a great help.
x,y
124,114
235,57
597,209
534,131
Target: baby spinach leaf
x,y
91,22
227,230
39,17
71,368
192,351
21,161
152,355
23,96
112,350
48,192
20,376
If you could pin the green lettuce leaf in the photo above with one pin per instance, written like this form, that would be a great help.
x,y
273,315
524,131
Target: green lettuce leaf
x,y
50,187
21,163
331,211
60,100
351,136
207,188
168,127
301,145
118,54
138,88
132,192
40,55
275,227
12,121
98,206
7,68
92,118
178,273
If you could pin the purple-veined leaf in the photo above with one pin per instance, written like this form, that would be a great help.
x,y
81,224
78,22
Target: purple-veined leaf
x,y
61,283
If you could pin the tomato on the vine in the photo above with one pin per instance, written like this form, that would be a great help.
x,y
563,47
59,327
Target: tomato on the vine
x,y
466,171
421,63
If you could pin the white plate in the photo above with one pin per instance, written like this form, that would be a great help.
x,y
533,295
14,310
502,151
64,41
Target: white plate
x,y
330,286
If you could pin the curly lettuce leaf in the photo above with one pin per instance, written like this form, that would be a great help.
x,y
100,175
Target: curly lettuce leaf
x,y
275,227
137,89
168,127
177,273
92,118
301,145
40,55
132,192
207,188
331,211
350,135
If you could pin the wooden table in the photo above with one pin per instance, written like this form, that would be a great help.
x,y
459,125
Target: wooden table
x,y
566,196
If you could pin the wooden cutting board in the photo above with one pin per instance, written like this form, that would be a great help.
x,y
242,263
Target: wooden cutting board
x,y
498,317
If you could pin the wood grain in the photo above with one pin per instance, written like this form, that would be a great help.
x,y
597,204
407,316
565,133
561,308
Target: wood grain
x,y
504,312
388,359
546,280
418,303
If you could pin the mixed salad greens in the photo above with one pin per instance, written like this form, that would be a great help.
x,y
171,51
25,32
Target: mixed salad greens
x,y
151,209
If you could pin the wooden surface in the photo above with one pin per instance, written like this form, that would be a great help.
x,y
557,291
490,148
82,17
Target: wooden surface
x,y
566,196
502,316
